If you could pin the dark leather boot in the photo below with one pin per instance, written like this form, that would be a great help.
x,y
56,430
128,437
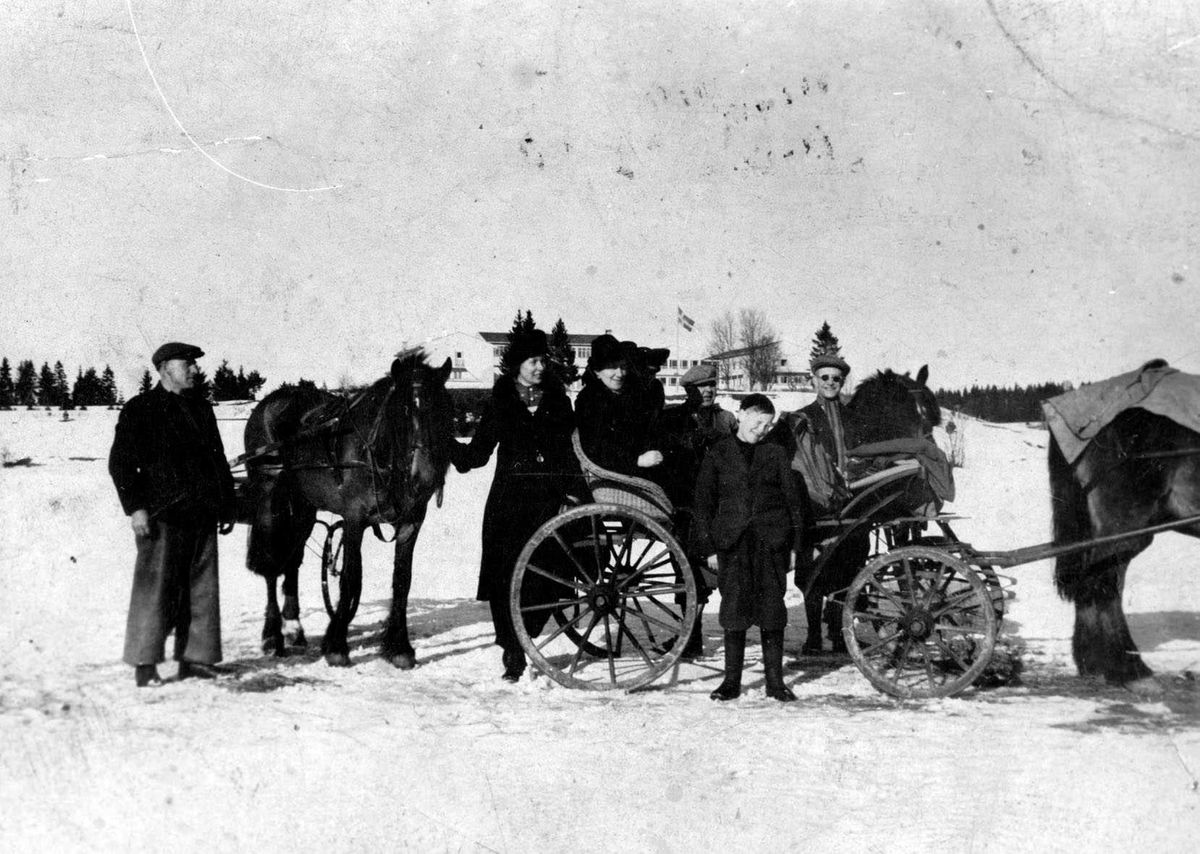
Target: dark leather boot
x,y
196,670
773,666
735,655
146,675
694,648
514,664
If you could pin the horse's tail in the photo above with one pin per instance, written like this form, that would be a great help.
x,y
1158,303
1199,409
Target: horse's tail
x,y
1070,518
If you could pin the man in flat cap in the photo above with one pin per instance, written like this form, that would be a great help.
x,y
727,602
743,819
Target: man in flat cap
x,y
692,428
168,465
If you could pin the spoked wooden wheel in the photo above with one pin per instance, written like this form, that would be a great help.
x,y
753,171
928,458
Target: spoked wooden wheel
x,y
332,561
987,573
919,623
621,593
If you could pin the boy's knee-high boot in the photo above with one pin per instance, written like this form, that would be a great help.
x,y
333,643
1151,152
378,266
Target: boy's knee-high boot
x,y
735,655
773,665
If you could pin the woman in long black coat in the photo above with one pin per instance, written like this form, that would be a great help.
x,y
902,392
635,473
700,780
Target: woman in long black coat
x,y
529,419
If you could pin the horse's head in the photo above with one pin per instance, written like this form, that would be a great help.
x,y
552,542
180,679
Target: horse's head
x,y
888,405
421,413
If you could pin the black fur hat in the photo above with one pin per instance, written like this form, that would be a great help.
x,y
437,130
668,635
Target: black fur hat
x,y
607,351
522,346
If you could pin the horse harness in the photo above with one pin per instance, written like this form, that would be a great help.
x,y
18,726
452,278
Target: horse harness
x,y
1124,457
333,427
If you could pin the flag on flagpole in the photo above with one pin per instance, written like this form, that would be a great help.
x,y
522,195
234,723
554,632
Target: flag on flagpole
x,y
684,321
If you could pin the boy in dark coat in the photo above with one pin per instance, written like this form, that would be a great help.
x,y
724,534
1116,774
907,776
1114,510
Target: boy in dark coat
x,y
749,518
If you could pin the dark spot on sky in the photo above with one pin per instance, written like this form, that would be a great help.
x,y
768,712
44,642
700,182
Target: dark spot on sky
x,y
958,44
1015,250
980,226
591,269
937,243
1177,278
529,139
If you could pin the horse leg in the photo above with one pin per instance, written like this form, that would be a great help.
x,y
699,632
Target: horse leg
x,y
335,646
303,517
396,646
272,633
293,630
1101,644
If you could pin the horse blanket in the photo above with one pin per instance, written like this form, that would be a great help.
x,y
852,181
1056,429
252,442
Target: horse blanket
x,y
1077,416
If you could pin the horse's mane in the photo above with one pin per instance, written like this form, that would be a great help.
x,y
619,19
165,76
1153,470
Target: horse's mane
x,y
888,405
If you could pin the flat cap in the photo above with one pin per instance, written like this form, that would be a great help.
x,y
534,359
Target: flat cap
x,y
830,361
702,374
175,350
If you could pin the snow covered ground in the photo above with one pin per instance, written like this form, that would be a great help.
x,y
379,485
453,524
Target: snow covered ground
x,y
291,754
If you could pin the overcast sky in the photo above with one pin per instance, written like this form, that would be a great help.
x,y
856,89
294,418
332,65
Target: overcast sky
x,y
1008,191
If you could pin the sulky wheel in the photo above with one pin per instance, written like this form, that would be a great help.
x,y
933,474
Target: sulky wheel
x,y
987,573
331,571
919,623
619,590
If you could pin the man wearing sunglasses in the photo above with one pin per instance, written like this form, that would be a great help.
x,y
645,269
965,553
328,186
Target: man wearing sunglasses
x,y
820,458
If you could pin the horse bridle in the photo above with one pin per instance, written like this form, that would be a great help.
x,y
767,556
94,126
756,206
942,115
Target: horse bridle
x,y
380,484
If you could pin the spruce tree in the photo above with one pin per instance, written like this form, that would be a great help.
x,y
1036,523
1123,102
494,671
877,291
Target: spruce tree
x,y
562,356
62,389
521,326
224,383
6,384
251,383
825,343
147,382
25,388
108,384
46,386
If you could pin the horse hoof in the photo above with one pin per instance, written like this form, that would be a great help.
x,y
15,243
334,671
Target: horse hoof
x,y
403,661
274,646
337,659
1147,687
294,636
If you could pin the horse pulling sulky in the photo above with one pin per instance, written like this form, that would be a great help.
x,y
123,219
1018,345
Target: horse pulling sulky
x,y
375,458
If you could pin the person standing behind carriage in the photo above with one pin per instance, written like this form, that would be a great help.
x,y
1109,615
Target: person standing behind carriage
x,y
820,445
529,419
168,465
749,518
616,412
690,429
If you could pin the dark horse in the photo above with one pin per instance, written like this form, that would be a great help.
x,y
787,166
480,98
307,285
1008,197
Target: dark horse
x,y
374,458
1140,470
886,406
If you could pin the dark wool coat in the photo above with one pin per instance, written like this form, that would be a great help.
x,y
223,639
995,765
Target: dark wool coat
x,y
752,517
167,458
535,468
615,429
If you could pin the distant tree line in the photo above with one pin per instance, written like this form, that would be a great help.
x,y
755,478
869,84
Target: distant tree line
x,y
1007,404
29,387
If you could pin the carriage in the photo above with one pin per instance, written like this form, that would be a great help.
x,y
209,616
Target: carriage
x,y
920,619
924,615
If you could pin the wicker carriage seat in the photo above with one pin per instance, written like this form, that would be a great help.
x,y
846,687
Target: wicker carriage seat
x,y
610,487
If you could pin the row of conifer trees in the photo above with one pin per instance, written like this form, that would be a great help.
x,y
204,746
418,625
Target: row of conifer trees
x,y
28,386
